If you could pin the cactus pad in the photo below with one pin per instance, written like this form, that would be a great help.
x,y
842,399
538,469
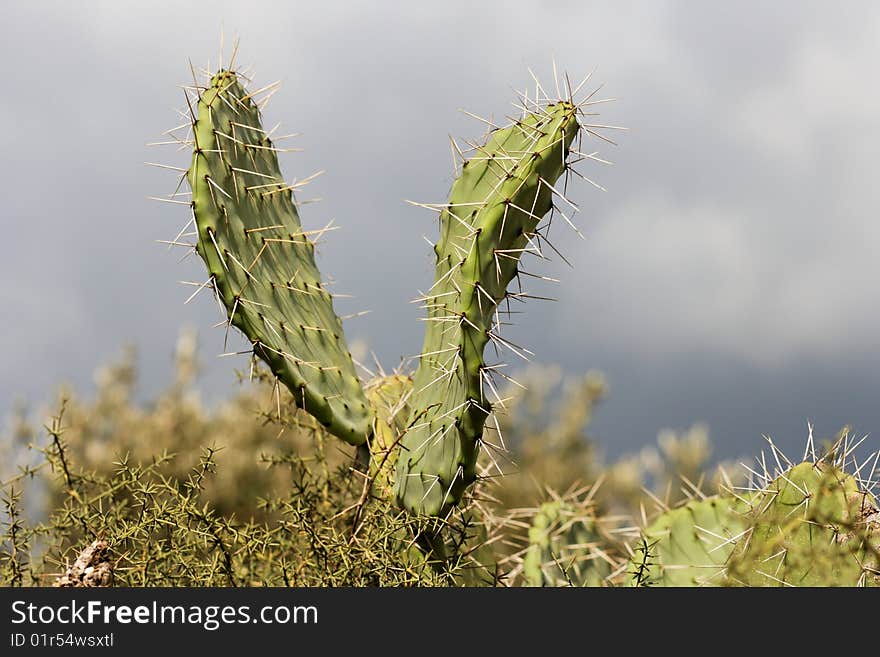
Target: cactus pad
x,y
812,526
262,263
690,545
565,547
491,218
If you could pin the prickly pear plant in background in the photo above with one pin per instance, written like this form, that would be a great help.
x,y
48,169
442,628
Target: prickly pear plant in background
x,y
813,525
805,524
262,270
567,544
389,396
689,545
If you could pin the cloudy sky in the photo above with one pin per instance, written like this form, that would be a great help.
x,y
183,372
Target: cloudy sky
x,y
728,274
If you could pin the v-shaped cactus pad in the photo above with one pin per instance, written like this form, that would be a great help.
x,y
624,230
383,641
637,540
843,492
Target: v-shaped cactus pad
x,y
262,262
493,211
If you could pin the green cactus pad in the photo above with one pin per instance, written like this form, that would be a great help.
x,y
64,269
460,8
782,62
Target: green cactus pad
x,y
262,263
812,527
565,548
690,545
493,211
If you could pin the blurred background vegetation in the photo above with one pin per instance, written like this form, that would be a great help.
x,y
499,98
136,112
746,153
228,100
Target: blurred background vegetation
x,y
251,491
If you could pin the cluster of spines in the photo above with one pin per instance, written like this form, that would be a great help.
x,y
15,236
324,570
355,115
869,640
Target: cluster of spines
x,y
260,261
492,218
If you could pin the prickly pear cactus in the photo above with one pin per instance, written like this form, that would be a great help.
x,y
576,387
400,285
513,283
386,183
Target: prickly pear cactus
x,y
262,269
812,526
565,548
690,545
490,219
261,262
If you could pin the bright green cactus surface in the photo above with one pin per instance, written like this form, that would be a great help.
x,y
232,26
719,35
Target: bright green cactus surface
x,y
262,263
812,526
690,545
490,219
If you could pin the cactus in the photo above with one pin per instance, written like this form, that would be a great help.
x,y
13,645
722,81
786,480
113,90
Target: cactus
x,y
262,269
811,526
490,219
261,263
689,545
565,547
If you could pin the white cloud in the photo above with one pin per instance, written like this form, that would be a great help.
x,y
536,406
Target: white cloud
x,y
828,85
678,277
